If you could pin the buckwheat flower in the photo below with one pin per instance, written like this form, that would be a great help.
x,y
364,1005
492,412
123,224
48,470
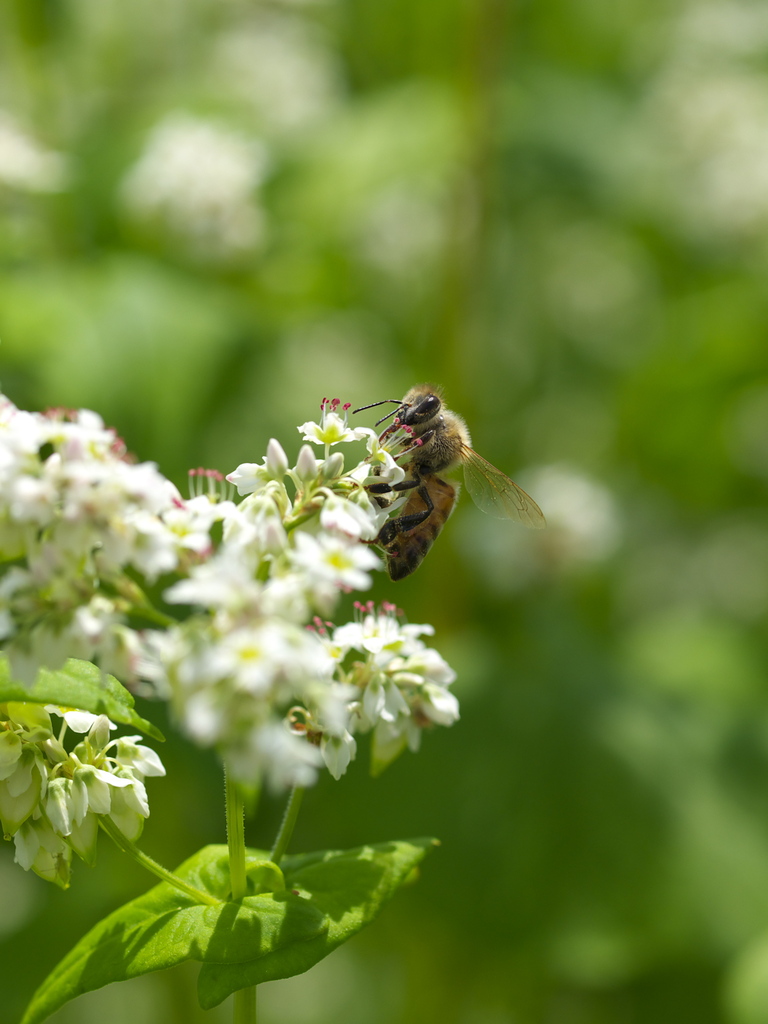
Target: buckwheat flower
x,y
51,798
32,499
21,791
381,633
225,581
77,721
66,803
10,751
138,757
190,521
380,462
331,429
349,519
287,596
280,758
338,752
332,560
129,808
400,688
38,847
152,546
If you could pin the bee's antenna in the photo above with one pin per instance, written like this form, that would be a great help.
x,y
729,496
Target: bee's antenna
x,y
393,413
397,401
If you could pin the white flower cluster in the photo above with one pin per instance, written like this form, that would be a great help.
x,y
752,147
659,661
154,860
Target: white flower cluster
x,y
241,669
245,674
51,799
400,685
75,515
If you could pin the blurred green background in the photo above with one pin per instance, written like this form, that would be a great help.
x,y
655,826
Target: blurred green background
x,y
214,213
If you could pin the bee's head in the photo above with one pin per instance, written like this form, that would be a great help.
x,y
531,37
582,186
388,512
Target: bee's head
x,y
422,404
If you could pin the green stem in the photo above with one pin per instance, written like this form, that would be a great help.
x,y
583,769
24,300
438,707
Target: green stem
x,y
235,836
287,824
244,1005
148,611
302,517
146,861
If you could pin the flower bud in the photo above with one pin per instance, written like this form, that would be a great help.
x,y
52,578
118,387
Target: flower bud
x,y
10,751
277,460
333,466
306,464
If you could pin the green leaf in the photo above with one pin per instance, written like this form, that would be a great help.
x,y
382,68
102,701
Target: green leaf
x,y
328,897
78,684
348,887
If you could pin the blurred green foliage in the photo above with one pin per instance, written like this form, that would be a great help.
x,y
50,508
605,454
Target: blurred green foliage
x,y
214,213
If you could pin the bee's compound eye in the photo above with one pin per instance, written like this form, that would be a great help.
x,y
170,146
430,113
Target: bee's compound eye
x,y
426,409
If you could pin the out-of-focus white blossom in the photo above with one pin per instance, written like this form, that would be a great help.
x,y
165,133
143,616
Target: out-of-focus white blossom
x,y
698,149
27,165
282,68
199,180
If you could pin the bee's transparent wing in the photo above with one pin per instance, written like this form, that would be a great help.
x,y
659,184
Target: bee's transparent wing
x,y
495,494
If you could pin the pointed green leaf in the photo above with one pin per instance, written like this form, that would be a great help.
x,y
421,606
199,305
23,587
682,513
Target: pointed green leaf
x,y
348,887
77,684
163,928
329,896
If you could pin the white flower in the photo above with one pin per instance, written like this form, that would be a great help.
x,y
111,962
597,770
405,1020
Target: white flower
x,y
66,804
138,757
190,521
282,759
349,519
338,752
331,560
49,797
226,580
332,429
79,721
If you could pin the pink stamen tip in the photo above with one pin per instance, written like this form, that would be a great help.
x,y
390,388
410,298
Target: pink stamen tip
x,y
335,404
347,405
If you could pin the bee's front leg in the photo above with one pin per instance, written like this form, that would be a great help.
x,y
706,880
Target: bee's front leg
x,y
382,488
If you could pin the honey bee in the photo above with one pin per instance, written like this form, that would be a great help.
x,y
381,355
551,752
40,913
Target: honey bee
x,y
438,441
